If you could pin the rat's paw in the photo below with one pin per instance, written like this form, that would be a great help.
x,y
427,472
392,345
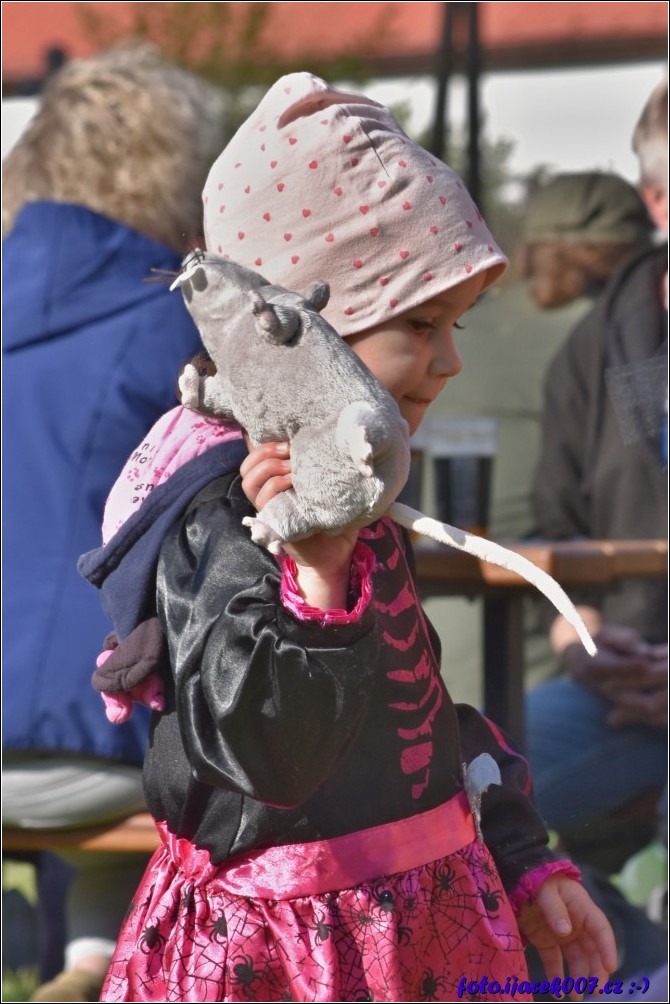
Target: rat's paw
x,y
262,534
189,386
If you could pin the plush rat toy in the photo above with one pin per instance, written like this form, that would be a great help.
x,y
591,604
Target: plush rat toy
x,y
284,374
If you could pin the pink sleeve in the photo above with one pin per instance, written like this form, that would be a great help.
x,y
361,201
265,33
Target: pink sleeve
x,y
362,565
527,888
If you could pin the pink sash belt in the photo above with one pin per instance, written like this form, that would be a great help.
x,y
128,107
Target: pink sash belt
x,y
321,866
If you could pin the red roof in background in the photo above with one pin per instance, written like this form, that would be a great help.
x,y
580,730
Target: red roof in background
x,y
406,34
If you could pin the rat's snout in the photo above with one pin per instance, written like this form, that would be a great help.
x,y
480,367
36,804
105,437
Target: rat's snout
x,y
199,279
196,280
192,278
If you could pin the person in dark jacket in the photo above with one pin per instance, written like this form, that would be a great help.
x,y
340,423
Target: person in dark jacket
x,y
101,192
579,228
598,735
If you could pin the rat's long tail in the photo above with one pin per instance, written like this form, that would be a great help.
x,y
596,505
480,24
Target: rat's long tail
x,y
497,555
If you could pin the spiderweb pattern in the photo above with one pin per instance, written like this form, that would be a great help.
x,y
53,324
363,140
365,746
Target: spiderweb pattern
x,y
411,936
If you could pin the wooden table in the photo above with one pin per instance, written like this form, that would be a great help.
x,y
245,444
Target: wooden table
x,y
443,571
135,835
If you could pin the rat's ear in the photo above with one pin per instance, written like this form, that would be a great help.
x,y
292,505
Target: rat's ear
x,y
276,322
318,295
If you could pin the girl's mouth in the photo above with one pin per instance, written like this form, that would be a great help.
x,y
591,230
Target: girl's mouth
x,y
423,402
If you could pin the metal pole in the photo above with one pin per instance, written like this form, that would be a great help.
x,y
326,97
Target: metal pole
x,y
55,59
439,145
473,74
503,661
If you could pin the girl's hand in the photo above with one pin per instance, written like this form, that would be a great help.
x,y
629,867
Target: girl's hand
x,y
323,561
564,922
266,471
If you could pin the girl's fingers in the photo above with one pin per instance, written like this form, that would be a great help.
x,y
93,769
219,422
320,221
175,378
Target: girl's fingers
x,y
604,945
596,937
266,472
552,962
578,964
274,486
554,909
266,451
257,485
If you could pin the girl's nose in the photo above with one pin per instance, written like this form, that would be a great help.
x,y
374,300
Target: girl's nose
x,y
446,361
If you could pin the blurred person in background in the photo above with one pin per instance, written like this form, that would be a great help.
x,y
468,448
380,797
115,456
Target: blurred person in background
x,y
597,737
578,229
103,188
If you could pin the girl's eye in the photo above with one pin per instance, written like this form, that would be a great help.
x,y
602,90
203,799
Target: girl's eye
x,y
419,324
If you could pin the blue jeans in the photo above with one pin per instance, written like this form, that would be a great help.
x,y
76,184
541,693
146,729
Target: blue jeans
x,y
582,768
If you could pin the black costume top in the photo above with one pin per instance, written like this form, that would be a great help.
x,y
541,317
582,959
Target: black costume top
x,y
281,730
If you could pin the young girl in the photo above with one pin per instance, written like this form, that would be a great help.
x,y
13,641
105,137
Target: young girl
x,y
306,773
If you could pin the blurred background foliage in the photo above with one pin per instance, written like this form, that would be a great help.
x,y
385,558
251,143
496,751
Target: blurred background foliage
x,y
228,44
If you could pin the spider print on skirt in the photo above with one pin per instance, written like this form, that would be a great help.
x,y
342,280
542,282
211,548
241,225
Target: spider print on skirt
x,y
410,936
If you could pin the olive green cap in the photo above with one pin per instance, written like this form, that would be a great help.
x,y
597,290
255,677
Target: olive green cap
x,y
587,208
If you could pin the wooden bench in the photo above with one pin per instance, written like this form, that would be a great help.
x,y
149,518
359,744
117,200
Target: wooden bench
x,y
137,834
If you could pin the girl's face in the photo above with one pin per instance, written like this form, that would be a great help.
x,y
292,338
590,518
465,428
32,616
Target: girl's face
x,y
414,354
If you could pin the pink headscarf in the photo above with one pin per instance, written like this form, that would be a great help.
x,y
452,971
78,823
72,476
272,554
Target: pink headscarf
x,y
320,184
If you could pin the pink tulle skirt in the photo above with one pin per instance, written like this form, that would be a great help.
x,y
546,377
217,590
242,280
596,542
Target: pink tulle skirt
x,y
372,916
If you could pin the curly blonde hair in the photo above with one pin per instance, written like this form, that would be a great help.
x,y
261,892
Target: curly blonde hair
x,y
127,134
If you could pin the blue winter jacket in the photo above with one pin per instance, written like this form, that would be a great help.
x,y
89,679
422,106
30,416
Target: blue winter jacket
x,y
91,357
